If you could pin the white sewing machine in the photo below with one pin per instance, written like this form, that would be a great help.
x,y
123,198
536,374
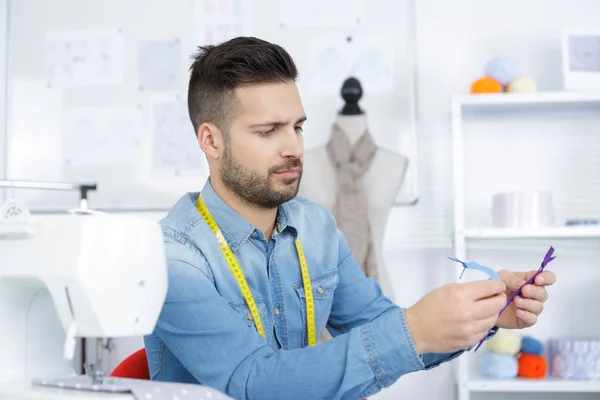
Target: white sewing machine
x,y
84,275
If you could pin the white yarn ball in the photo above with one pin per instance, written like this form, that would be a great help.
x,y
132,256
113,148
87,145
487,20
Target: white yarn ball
x,y
505,341
522,84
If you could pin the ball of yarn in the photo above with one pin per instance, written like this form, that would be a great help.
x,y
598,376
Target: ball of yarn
x,y
531,346
532,366
505,341
522,85
499,366
486,85
501,69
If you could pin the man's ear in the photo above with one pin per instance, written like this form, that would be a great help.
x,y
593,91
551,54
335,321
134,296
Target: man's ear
x,y
210,140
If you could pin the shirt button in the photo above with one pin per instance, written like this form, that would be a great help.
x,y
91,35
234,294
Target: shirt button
x,y
249,315
276,310
254,234
320,290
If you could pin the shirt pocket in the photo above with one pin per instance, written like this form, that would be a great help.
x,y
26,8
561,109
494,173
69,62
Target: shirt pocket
x,y
244,312
323,288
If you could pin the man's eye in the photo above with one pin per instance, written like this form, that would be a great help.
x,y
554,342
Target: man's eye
x,y
266,133
299,129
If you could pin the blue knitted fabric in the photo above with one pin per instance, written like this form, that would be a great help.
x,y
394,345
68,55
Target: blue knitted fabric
x,y
499,366
531,346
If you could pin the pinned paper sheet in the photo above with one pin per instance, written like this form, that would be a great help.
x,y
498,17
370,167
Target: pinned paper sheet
x,y
175,149
160,65
216,21
90,57
369,58
34,149
324,13
101,136
584,53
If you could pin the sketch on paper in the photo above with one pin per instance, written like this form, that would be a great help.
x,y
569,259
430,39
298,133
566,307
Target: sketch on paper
x,y
101,136
160,65
216,21
175,149
90,57
584,53
369,58
314,13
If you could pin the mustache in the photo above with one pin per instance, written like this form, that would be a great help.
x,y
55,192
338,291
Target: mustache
x,y
289,163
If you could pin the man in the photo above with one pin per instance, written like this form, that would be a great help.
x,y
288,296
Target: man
x,y
256,273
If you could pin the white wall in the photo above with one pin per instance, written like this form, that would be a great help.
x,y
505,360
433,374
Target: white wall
x,y
455,39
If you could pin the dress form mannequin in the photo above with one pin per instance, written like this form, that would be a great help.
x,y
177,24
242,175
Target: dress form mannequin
x,y
382,181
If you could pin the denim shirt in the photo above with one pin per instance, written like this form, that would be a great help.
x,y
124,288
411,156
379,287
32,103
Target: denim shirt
x,y
205,333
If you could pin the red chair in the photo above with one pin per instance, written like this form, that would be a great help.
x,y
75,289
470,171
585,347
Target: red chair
x,y
134,366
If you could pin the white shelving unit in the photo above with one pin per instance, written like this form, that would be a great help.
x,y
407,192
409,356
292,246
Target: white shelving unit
x,y
531,386
463,236
558,232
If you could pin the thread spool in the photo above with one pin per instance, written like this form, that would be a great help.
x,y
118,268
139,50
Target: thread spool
x,y
499,366
526,209
532,346
532,366
505,341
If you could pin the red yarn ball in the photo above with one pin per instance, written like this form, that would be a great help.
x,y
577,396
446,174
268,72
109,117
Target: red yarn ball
x,y
532,366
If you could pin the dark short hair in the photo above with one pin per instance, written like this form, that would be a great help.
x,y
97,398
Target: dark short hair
x,y
218,70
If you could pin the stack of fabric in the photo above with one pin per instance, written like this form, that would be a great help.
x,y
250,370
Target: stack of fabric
x,y
509,356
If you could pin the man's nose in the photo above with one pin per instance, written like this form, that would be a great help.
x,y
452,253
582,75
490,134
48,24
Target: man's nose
x,y
292,144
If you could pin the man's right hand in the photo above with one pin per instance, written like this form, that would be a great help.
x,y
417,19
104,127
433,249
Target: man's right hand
x,y
455,316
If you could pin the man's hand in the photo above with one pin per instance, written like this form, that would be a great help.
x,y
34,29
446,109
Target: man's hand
x,y
524,310
455,316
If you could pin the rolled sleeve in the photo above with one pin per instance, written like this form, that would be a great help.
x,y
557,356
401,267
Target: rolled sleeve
x,y
391,351
389,347
432,360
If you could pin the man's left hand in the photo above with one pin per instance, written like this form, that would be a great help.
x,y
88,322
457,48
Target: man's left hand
x,y
524,310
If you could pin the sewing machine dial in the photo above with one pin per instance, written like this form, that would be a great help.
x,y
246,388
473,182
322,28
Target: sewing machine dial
x,y
12,210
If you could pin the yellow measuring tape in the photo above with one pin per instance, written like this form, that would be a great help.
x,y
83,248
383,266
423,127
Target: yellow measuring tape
x,y
243,284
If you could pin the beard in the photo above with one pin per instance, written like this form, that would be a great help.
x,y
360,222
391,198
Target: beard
x,y
256,188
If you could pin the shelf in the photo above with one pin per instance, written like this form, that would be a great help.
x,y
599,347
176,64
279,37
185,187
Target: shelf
x,y
530,99
543,233
530,385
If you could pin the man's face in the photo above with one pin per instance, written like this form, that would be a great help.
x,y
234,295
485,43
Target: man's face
x,y
262,160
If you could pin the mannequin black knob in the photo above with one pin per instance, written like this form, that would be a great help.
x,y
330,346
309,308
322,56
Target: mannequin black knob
x,y
351,93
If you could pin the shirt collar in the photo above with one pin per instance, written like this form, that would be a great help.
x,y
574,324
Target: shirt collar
x,y
234,227
285,220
